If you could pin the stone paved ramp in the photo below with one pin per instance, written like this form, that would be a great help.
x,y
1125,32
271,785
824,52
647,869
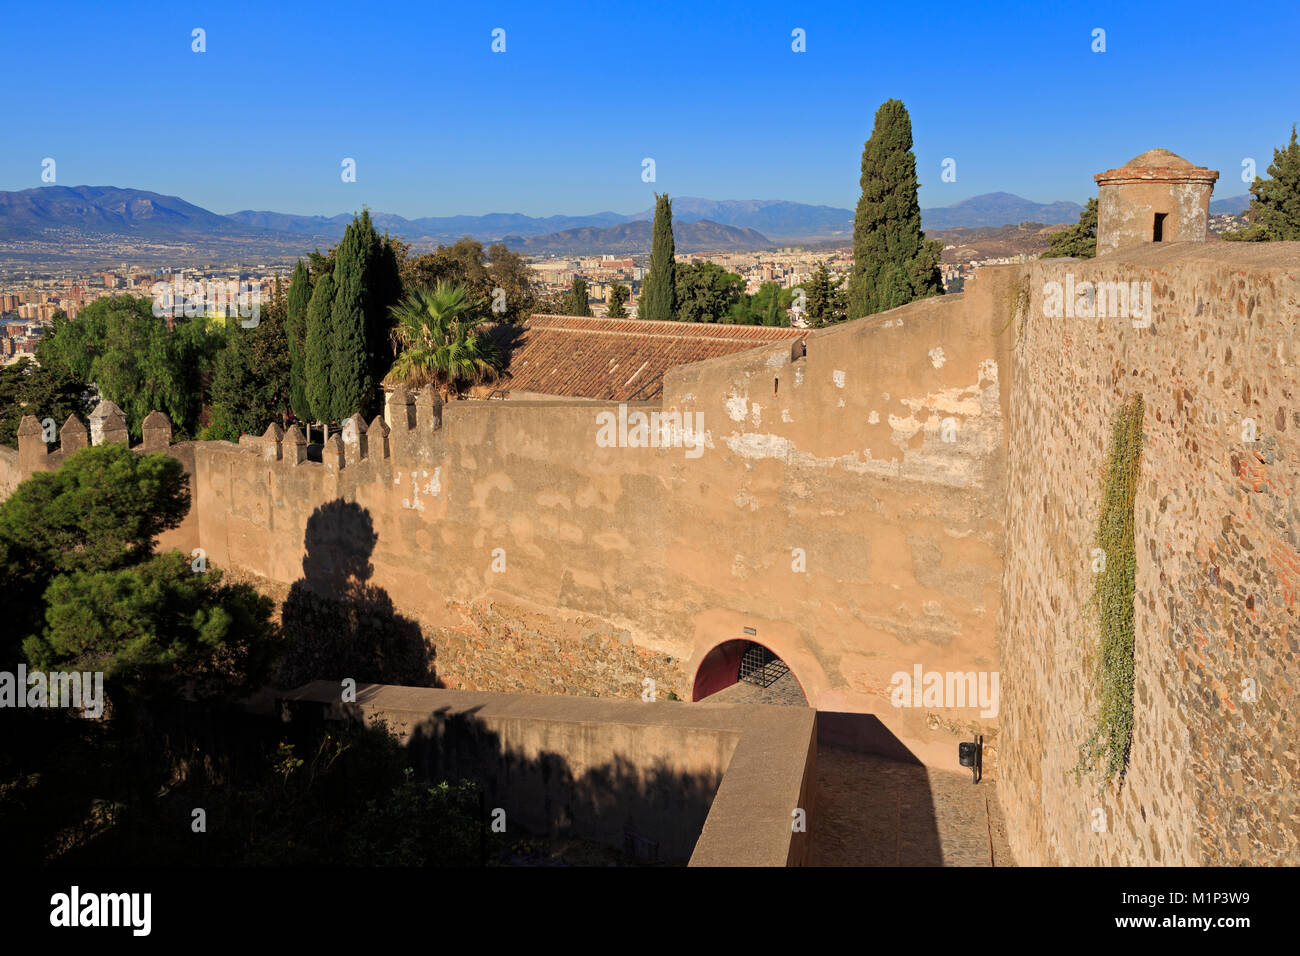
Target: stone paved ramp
x,y
783,692
872,811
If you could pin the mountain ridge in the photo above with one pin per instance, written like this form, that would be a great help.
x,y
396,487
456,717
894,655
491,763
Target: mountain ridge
x,y
43,211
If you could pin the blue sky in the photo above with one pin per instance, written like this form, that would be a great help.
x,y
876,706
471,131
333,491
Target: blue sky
x,y
440,125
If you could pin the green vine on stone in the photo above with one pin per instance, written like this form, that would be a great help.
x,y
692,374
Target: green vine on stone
x,y
1015,301
1113,598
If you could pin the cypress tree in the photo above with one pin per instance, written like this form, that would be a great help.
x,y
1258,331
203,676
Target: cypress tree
x,y
383,291
659,292
579,303
351,363
318,350
893,262
773,316
295,327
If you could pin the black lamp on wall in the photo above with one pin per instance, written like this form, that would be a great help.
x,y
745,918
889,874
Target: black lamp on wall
x,y
971,754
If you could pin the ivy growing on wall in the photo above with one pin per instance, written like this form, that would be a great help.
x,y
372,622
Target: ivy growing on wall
x,y
1113,599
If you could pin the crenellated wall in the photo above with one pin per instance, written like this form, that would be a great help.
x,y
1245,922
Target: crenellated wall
x,y
920,489
844,506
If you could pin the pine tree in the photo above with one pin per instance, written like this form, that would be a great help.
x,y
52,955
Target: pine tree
x,y
617,296
893,262
659,292
295,327
351,362
825,297
1274,212
318,350
1078,241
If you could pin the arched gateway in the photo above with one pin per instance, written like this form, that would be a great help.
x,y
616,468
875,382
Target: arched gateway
x,y
766,677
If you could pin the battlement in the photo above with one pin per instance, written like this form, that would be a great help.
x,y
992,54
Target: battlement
x,y
914,489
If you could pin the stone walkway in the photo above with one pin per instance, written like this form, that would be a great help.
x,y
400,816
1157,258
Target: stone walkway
x,y
784,691
872,811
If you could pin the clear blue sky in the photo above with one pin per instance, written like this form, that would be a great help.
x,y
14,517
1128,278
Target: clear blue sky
x,y
559,123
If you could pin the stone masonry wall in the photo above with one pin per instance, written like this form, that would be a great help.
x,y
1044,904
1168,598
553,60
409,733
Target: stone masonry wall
x,y
842,453
1213,774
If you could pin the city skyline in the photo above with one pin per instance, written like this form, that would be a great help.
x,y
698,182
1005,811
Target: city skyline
x,y
258,124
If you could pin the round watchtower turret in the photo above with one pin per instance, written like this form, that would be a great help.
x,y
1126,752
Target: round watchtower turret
x,y
1155,197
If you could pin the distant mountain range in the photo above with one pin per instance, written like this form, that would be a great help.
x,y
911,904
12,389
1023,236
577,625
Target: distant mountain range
x,y
997,209
111,211
699,235
1232,205
49,213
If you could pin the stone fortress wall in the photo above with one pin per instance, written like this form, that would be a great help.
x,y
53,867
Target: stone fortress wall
x,y
920,489
1213,778
825,512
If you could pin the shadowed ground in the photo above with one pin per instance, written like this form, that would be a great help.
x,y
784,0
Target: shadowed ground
x,y
872,811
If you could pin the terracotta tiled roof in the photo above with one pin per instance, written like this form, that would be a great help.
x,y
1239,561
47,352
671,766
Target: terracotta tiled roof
x,y
616,359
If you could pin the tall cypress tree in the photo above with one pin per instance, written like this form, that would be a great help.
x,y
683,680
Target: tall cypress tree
x,y
318,349
579,302
659,291
351,364
383,291
893,262
295,327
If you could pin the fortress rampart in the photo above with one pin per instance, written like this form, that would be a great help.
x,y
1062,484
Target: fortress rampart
x,y
919,490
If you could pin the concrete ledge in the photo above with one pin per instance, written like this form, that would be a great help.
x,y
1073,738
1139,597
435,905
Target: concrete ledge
x,y
595,767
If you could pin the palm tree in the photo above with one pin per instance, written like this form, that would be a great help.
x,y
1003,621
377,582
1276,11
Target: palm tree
x,y
442,341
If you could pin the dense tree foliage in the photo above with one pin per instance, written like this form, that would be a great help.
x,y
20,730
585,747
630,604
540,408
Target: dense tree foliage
x,y
135,360
618,294
1274,212
351,373
319,348
579,301
464,263
825,299
30,389
250,387
100,511
295,330
1078,241
893,262
659,290
706,292
158,628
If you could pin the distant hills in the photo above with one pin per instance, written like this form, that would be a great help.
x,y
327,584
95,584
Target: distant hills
x,y
112,211
432,229
700,235
50,213
997,209
1230,205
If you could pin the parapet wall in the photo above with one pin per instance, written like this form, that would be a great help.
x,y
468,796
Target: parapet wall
x,y
720,784
1213,774
842,508
837,500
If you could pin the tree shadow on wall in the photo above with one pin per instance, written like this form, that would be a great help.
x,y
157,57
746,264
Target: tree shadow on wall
x,y
336,624
651,810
